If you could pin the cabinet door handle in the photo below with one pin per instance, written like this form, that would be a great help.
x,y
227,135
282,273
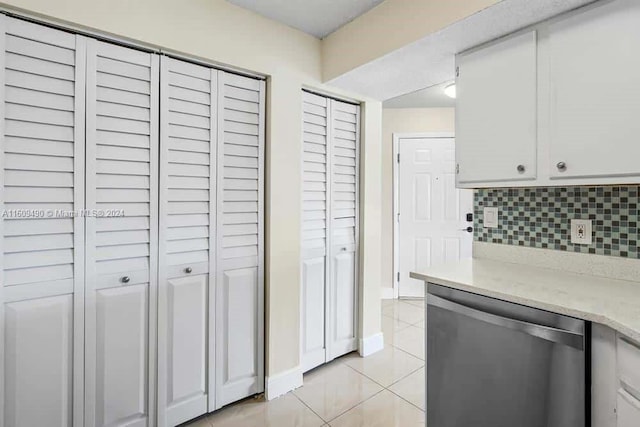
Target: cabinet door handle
x,y
562,166
188,270
521,168
125,279
343,249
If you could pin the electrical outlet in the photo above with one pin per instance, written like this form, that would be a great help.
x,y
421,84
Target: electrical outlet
x,y
490,217
581,231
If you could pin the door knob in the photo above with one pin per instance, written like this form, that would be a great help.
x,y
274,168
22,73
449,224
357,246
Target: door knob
x,y
468,229
188,270
521,168
125,279
343,249
562,166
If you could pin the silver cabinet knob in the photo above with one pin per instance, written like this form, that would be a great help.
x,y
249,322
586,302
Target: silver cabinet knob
x,y
125,279
188,270
468,229
521,168
562,166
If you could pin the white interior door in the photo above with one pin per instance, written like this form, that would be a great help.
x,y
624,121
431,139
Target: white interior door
x,y
187,231
121,256
342,293
240,248
41,255
432,212
315,196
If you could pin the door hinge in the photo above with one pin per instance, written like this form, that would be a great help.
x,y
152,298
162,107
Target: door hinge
x,y
457,71
398,157
457,168
398,219
398,276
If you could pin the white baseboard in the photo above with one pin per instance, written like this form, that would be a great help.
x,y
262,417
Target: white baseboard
x,y
388,293
371,344
283,383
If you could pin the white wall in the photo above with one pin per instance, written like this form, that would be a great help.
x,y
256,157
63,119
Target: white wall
x,y
402,120
218,31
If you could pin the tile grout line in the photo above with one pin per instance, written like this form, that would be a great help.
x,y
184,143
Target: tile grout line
x,y
406,376
309,407
359,403
410,354
410,403
390,385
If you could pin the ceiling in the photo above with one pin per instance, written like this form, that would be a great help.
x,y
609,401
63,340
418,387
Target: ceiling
x,y
316,17
431,97
430,60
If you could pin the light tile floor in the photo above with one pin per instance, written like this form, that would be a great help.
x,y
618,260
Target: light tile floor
x,y
385,389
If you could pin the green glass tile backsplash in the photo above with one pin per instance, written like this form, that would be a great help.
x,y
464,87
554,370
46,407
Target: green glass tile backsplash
x,y
540,218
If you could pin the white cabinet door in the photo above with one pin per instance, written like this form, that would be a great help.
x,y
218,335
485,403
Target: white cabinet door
x,y
594,92
240,249
342,292
628,410
41,262
604,377
121,250
315,198
496,112
187,224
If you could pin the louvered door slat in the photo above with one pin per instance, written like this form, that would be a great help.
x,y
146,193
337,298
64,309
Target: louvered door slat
x,y
41,243
122,156
187,239
240,278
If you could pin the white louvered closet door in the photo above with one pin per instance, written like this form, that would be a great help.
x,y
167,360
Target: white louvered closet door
x,y
121,255
41,268
342,295
187,239
240,248
315,196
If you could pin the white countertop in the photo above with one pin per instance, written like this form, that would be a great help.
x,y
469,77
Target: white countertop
x,y
611,302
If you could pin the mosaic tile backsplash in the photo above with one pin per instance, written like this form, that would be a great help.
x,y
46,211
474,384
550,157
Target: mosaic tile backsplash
x,y
540,218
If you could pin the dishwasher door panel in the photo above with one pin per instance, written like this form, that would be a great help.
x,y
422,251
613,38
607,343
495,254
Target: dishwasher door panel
x,y
484,374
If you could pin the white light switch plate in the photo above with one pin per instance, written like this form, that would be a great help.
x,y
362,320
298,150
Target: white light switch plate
x,y
490,218
581,231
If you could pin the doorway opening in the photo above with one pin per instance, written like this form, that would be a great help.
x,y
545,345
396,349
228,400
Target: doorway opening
x,y
432,219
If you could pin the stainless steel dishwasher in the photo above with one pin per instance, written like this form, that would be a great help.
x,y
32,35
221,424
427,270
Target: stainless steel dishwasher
x,y
491,363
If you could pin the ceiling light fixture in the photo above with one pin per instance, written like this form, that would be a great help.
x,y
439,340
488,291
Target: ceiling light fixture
x,y
450,90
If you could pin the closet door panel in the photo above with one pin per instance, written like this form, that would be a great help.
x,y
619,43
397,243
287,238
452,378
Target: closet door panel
x,y
121,254
344,301
315,208
122,354
313,312
344,200
38,362
41,241
187,229
240,266
239,320
187,339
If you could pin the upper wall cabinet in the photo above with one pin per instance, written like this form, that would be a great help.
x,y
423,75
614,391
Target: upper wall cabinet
x,y
496,112
595,95
571,101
